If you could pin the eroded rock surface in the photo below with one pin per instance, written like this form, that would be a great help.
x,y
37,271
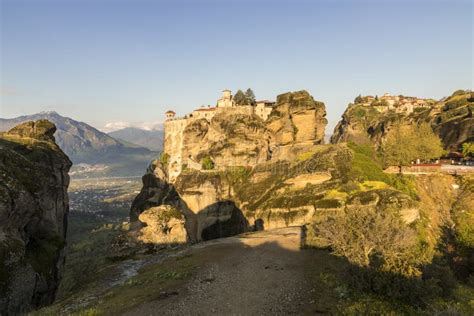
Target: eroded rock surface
x,y
33,216
164,225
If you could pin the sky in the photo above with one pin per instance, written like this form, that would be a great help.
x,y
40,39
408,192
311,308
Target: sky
x,y
109,62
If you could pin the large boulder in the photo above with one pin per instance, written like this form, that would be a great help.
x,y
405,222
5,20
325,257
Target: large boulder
x,y
164,225
297,118
33,216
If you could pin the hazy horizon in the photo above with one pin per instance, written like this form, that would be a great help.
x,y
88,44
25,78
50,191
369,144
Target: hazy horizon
x,y
105,62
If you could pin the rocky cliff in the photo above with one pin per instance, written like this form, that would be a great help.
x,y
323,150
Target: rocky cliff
x,y
233,137
318,183
33,216
236,143
451,118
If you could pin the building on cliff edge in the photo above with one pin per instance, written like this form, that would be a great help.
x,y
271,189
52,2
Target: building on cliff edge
x,y
174,126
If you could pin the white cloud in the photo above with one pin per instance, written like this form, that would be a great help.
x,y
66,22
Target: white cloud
x,y
149,126
114,126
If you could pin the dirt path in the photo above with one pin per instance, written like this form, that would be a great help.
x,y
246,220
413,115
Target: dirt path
x,y
260,273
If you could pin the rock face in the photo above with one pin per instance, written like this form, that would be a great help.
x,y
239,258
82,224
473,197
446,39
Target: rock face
x,y
229,139
33,216
450,118
296,118
296,123
228,202
236,142
234,137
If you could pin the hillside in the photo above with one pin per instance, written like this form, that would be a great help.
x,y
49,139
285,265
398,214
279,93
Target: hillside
x,y
93,153
450,118
151,139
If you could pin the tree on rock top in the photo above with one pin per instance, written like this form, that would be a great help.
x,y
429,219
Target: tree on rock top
x,y
250,96
239,97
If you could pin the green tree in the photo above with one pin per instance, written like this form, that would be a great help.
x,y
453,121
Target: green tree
x,y
427,144
207,163
405,143
239,97
468,150
358,99
249,96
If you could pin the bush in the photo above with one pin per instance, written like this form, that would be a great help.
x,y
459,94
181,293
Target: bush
x,y
458,92
454,104
164,158
364,232
207,163
328,203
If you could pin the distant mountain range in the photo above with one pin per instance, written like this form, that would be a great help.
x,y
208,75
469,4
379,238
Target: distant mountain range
x,y
151,139
86,146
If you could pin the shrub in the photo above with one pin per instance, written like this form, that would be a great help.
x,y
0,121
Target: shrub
x,y
164,158
468,150
328,203
458,92
359,112
449,105
207,163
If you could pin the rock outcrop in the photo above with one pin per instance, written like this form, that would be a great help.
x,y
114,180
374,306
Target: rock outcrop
x,y
451,119
228,139
164,225
236,143
233,136
296,118
296,123
33,216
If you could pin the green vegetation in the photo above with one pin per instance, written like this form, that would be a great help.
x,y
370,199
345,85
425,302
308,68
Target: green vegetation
x,y
367,237
42,253
377,102
164,158
366,166
250,96
207,163
247,98
358,99
468,150
405,144
455,103
239,97
167,213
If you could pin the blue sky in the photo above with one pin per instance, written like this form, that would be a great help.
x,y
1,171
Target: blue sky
x,y
109,61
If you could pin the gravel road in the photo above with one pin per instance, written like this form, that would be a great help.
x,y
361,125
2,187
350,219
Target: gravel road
x,y
261,273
